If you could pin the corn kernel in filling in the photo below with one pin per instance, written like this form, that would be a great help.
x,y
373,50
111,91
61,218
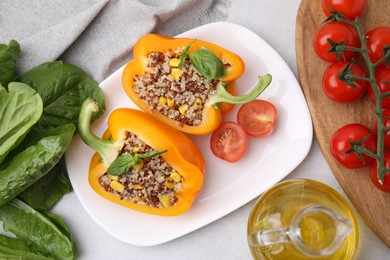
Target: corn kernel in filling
x,y
169,89
153,184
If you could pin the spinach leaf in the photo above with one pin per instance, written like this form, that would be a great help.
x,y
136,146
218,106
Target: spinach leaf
x,y
21,255
63,88
20,108
8,56
48,190
34,162
36,230
63,227
13,248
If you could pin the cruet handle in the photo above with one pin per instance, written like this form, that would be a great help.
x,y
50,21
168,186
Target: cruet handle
x,y
269,237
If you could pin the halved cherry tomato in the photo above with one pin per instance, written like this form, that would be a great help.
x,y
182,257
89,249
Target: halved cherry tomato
x,y
337,32
338,90
341,143
258,118
229,142
377,38
374,170
382,76
349,8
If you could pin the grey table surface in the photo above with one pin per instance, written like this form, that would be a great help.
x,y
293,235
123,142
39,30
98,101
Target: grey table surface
x,y
225,238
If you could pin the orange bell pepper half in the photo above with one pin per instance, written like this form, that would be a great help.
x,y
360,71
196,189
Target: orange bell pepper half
x,y
211,115
180,152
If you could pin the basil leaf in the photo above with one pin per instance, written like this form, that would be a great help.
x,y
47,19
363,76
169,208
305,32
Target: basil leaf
x,y
36,230
34,162
150,154
63,88
20,108
184,54
208,64
48,190
122,164
8,56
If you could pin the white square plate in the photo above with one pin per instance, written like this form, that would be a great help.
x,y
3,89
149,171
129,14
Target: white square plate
x,y
226,186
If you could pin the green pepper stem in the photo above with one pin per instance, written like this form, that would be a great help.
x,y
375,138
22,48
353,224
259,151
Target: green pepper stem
x,y
223,96
107,149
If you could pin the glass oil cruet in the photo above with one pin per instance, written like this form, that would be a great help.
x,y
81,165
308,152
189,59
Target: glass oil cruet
x,y
302,219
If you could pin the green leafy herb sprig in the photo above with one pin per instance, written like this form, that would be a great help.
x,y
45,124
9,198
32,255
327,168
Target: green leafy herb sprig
x,y
123,163
205,61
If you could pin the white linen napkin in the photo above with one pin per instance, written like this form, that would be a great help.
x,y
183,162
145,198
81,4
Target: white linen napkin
x,y
97,35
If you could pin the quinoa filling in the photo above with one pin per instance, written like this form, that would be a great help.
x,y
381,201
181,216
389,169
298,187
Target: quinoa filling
x,y
153,182
176,93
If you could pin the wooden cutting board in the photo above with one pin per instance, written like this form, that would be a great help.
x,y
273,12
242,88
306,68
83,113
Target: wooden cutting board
x,y
372,204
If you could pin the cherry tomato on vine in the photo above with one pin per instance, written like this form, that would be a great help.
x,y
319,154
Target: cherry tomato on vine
x,y
229,142
373,174
382,76
349,8
338,90
377,38
337,32
258,118
386,123
341,143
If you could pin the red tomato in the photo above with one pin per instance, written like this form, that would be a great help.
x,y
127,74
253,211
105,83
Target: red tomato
x,y
340,143
386,123
349,8
229,142
373,174
377,38
382,76
338,90
337,32
258,118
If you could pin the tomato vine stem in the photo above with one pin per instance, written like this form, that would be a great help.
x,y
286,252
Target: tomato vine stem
x,y
359,77
379,155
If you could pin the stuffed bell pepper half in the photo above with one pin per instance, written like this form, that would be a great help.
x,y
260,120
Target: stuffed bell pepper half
x,y
141,163
182,81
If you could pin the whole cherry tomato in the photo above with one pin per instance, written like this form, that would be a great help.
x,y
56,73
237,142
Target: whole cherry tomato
x,y
258,118
338,90
341,143
377,38
336,32
349,8
374,177
382,76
